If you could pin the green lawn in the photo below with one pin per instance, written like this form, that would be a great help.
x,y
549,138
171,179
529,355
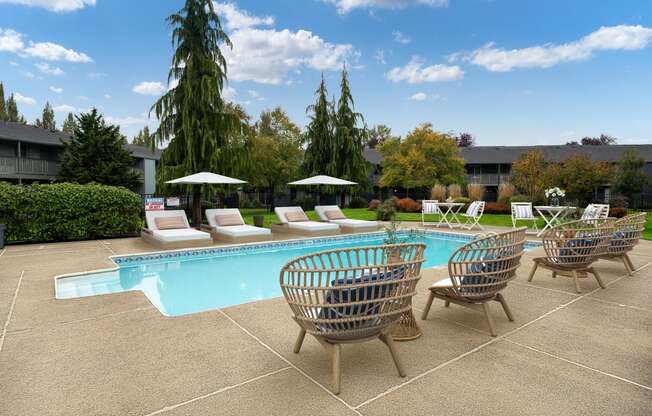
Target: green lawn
x,y
365,214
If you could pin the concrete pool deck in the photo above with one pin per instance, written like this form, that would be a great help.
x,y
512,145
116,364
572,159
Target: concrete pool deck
x,y
566,354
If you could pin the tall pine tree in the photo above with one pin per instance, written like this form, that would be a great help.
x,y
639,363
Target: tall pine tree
x,y
349,138
12,111
3,109
192,115
96,153
321,152
69,124
47,121
145,138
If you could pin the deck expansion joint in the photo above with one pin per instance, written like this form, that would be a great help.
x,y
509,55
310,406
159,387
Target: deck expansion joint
x,y
11,310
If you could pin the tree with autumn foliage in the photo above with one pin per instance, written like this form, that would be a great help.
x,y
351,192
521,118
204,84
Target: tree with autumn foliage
x,y
531,175
581,177
423,158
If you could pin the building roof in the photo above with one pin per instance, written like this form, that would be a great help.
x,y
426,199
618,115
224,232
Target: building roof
x,y
557,153
32,134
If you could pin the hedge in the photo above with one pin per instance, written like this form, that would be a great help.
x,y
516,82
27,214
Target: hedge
x,y
66,211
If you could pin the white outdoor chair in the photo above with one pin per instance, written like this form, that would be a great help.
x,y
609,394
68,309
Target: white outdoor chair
x,y
596,212
522,211
429,206
473,214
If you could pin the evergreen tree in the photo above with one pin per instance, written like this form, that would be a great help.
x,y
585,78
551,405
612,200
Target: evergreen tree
x,y
12,111
47,122
69,124
145,138
321,152
96,153
631,179
349,138
3,110
192,115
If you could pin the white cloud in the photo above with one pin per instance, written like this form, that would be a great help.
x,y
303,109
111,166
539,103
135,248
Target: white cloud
x,y
380,57
268,55
620,37
95,75
10,40
129,120
149,88
345,6
13,63
64,108
82,97
49,70
228,93
23,99
239,19
56,89
420,96
107,96
54,5
415,72
54,52
401,38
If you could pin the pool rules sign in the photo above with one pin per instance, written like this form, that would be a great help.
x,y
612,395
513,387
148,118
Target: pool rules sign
x,y
154,204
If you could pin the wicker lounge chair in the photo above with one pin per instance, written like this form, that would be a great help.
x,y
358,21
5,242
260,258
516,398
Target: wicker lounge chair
x,y
294,221
572,247
625,237
522,211
170,229
333,214
473,214
478,271
595,212
227,225
352,295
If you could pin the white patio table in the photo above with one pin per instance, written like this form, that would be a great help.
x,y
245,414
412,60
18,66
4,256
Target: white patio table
x,y
552,215
449,212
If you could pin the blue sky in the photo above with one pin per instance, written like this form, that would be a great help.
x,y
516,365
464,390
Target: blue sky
x,y
508,71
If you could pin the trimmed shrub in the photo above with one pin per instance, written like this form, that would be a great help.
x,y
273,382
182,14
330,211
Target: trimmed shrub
x,y
386,210
374,204
505,192
496,208
475,192
67,211
438,192
454,191
357,202
617,212
520,198
408,205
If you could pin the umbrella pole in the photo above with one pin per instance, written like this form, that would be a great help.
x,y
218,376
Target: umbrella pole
x,y
196,206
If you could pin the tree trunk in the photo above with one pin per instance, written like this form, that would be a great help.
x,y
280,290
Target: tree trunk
x,y
196,206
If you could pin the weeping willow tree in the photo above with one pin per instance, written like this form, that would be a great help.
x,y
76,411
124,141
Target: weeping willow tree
x,y
349,138
202,134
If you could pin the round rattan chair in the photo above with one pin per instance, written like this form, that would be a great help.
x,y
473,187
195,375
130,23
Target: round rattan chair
x,y
628,231
572,247
478,271
352,295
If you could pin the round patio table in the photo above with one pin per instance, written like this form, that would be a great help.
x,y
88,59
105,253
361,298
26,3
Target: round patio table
x,y
552,215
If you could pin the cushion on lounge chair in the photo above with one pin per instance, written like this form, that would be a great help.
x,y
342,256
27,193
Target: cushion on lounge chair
x,y
170,223
335,214
296,216
350,223
179,235
225,220
313,226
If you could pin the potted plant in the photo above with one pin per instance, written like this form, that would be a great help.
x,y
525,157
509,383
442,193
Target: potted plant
x,y
554,194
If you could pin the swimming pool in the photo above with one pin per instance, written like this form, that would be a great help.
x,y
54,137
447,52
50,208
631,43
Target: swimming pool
x,y
189,281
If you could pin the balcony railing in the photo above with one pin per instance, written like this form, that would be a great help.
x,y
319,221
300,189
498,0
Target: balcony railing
x,y
487,178
16,166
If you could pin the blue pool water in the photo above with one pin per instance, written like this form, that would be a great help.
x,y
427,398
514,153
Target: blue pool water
x,y
193,281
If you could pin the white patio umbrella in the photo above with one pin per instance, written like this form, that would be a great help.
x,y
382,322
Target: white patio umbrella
x,y
323,180
198,179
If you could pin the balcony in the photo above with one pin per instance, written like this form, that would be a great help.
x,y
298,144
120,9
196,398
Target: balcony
x,y
15,167
487,178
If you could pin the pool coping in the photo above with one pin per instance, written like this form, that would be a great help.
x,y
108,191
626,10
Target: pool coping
x,y
186,253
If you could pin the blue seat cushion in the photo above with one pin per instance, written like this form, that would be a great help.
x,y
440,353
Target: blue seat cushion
x,y
575,250
480,270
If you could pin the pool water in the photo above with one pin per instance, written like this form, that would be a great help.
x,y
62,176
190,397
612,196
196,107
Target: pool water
x,y
180,285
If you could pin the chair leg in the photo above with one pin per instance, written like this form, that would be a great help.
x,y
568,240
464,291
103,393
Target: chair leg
x,y
492,329
424,315
577,282
629,260
508,312
447,304
299,342
534,270
387,339
629,271
337,367
554,275
597,277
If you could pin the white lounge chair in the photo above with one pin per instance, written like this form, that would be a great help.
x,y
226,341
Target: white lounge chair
x,y
522,211
595,212
333,214
473,214
227,225
294,221
170,229
429,206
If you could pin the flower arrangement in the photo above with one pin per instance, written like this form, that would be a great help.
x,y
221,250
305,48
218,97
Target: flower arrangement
x,y
555,193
